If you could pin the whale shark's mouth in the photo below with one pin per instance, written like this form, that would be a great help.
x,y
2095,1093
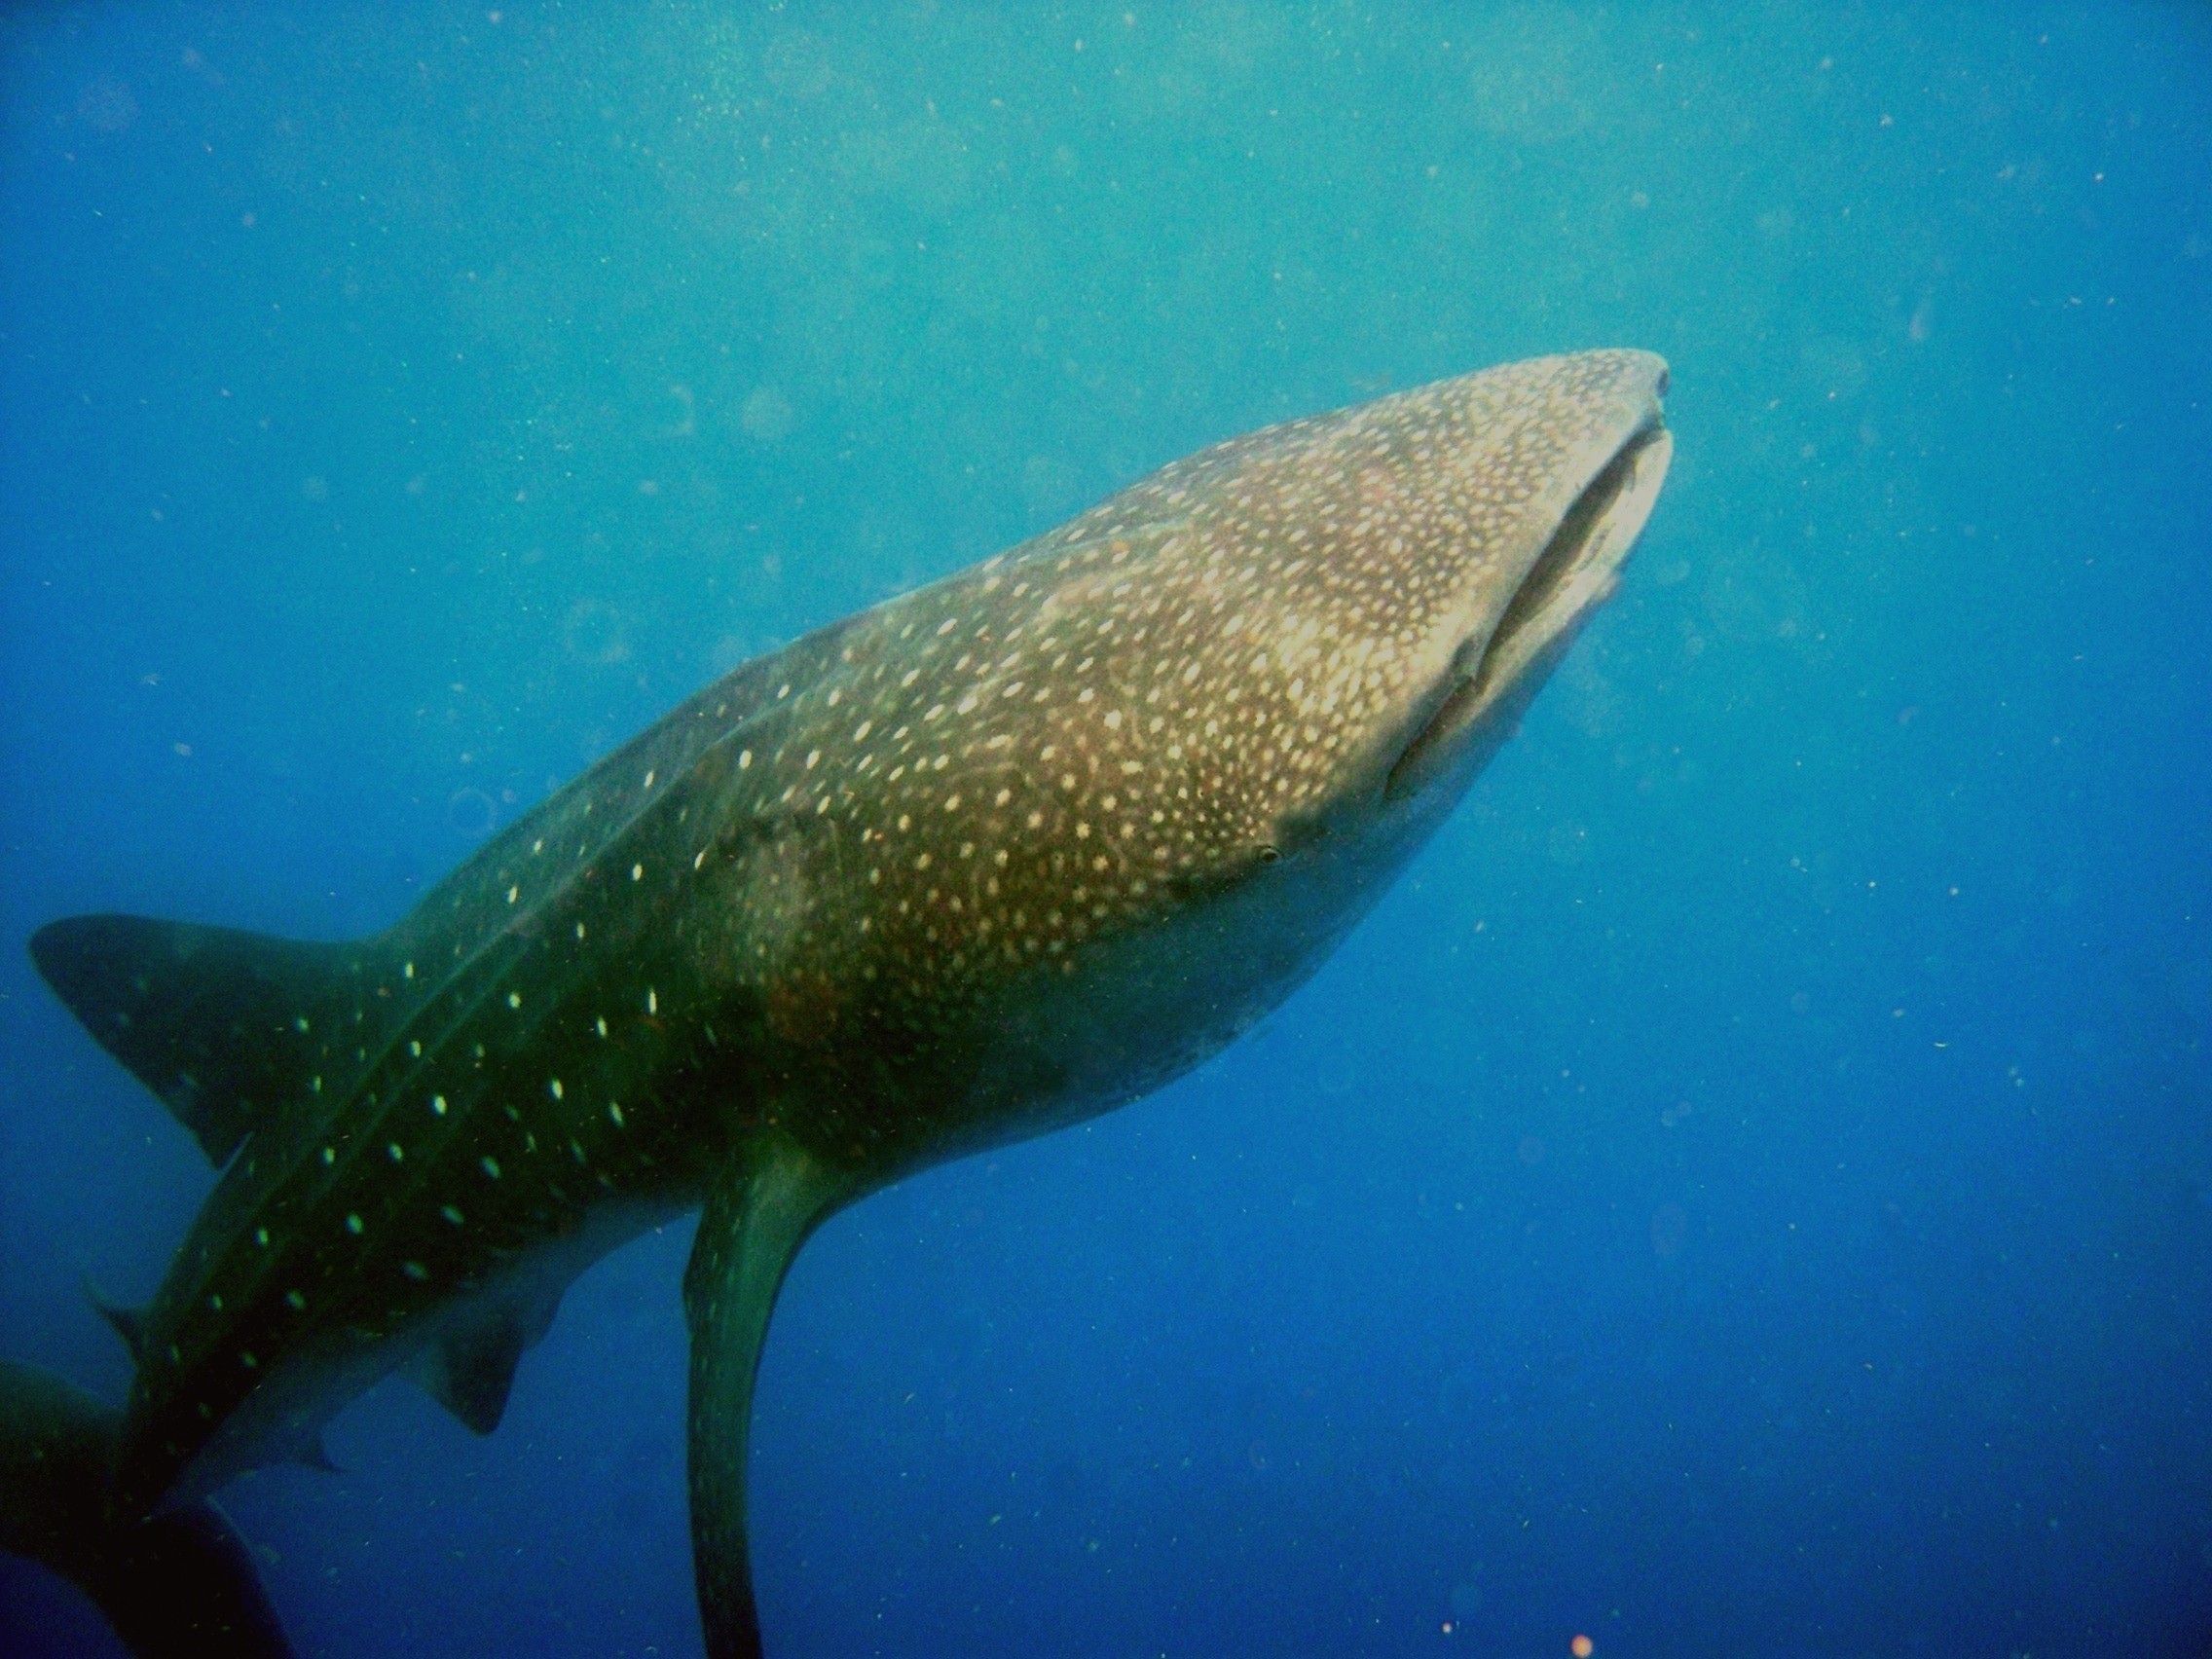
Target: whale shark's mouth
x,y
1579,567
1577,571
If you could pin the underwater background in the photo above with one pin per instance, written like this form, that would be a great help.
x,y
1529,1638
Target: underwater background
x,y
1747,1189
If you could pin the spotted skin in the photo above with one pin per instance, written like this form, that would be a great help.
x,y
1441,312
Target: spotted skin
x,y
992,856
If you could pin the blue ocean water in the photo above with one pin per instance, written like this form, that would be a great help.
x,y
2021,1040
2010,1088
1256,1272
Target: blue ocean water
x,y
1749,1188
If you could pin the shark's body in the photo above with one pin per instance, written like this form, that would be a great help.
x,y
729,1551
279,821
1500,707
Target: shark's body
x,y
990,858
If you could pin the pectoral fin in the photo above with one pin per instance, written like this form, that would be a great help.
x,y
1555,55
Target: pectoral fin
x,y
757,1217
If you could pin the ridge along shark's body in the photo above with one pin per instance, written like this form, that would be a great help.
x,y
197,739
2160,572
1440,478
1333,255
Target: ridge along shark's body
x,y
988,858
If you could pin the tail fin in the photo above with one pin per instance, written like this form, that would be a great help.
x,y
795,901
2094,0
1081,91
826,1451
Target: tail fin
x,y
227,1027
180,1586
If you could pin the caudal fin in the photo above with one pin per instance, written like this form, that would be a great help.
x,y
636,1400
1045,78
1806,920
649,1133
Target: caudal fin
x,y
180,1586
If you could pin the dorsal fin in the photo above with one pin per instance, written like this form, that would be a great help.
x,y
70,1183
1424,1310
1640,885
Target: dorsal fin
x,y
225,1026
231,1028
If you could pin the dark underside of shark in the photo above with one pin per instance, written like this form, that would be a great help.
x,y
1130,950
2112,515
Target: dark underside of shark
x,y
989,859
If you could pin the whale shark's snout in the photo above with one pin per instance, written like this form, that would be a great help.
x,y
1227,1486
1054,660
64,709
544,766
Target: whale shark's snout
x,y
1558,558
1416,567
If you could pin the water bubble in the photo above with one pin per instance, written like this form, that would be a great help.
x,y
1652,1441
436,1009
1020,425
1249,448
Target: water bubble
x,y
799,66
766,416
595,632
106,104
472,812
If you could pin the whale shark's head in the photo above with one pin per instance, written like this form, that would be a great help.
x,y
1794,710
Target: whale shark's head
x,y
1418,565
1562,493
1165,755
1325,628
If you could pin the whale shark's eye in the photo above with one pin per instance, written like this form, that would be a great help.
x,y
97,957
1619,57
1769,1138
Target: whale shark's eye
x,y
1214,877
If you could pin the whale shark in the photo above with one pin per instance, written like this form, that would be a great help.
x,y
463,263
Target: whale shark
x,y
989,859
